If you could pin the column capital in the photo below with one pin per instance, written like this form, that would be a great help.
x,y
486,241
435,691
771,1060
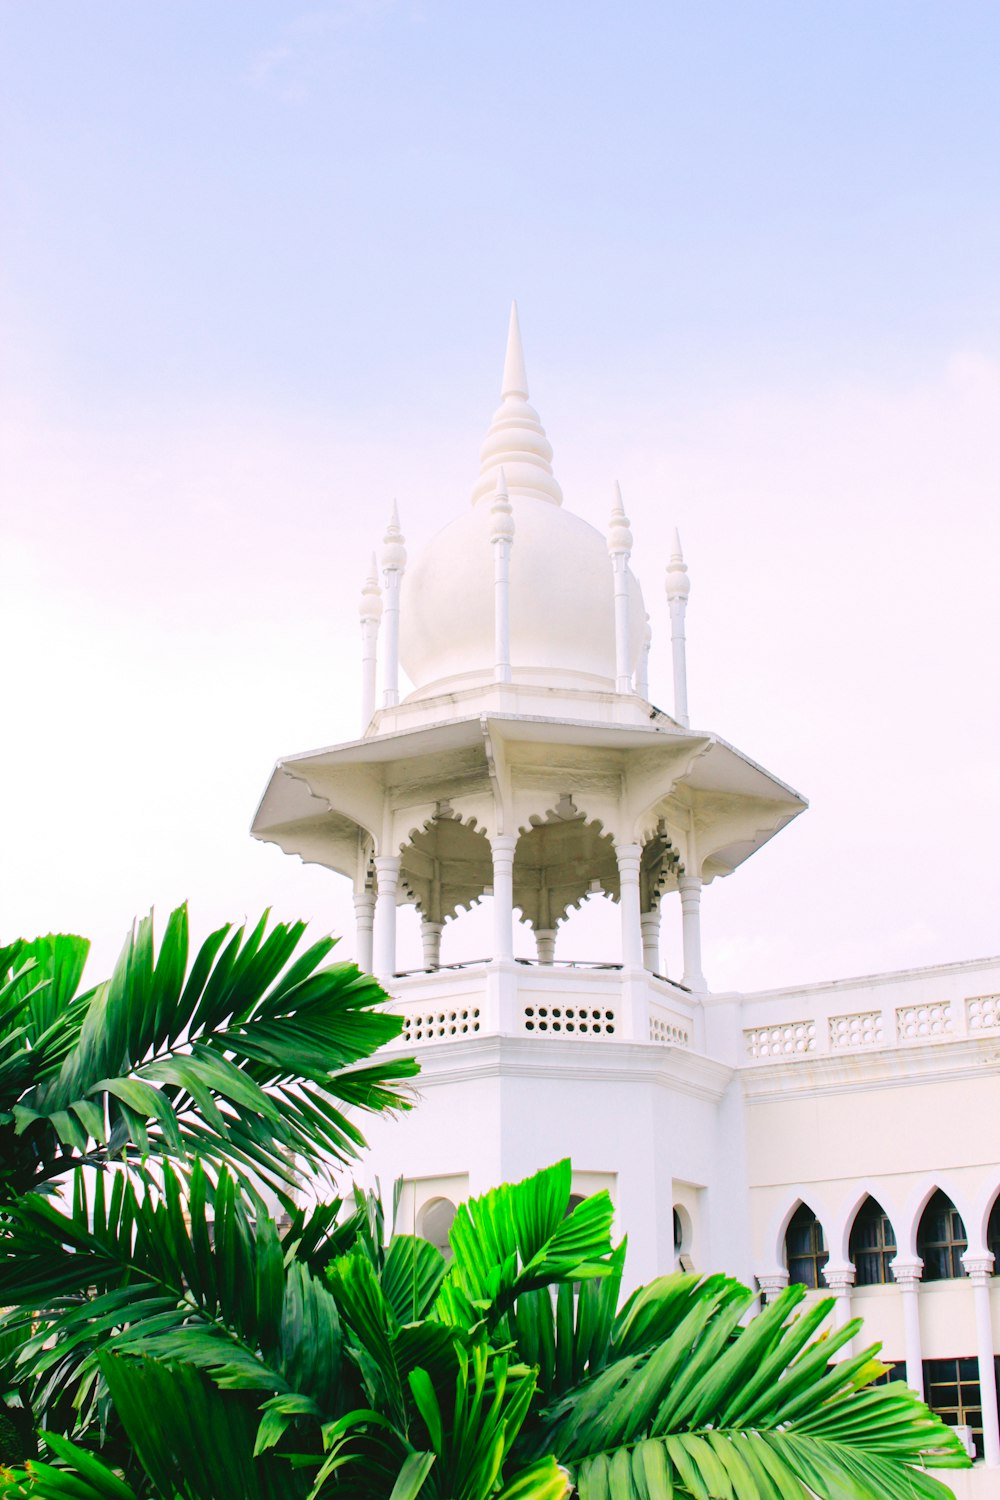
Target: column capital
x,y
978,1265
689,883
771,1283
839,1277
388,864
364,901
627,854
503,844
907,1273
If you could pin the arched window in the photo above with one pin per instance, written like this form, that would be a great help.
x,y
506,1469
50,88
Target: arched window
x,y
435,1221
872,1245
941,1239
993,1236
805,1249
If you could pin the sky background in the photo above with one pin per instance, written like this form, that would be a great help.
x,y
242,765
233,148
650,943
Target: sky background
x,y
256,266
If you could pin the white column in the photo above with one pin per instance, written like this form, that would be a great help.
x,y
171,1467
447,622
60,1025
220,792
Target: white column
x,y
387,873
840,1279
430,938
502,540
371,614
545,944
629,857
690,891
980,1268
393,568
364,916
503,846
650,925
642,670
678,588
620,548
906,1275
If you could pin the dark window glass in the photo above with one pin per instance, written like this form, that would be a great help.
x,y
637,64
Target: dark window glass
x,y
896,1371
872,1246
951,1388
678,1233
993,1236
805,1251
941,1240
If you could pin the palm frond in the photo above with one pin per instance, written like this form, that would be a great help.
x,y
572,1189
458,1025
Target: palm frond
x,y
250,1054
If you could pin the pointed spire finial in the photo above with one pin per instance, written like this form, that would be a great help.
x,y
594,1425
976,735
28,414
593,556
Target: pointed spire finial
x,y
515,380
393,549
678,583
619,535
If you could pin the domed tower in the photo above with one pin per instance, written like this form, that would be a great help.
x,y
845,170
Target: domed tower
x,y
527,764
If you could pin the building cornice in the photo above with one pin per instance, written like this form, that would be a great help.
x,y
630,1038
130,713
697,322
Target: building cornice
x,y
859,1072
673,1068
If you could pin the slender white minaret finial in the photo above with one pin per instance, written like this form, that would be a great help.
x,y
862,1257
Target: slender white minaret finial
x,y
515,379
620,548
371,613
393,568
678,588
516,438
642,670
502,540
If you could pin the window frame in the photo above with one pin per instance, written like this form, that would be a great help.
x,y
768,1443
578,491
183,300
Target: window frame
x,y
816,1255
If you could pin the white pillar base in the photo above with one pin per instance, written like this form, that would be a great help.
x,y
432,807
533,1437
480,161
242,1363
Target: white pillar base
x,y
690,892
430,938
649,924
387,876
364,918
545,944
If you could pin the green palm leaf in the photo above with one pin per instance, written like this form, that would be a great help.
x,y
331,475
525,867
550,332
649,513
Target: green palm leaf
x,y
247,1054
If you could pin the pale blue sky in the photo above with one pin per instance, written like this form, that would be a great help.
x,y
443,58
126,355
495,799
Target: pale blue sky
x,y
256,263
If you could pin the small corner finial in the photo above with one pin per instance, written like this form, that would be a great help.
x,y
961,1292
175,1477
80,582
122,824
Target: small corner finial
x,y
515,380
393,549
371,594
501,511
619,535
678,583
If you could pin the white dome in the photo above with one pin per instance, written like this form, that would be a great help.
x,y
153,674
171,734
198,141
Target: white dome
x,y
562,622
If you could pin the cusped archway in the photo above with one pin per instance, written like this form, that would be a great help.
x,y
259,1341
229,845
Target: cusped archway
x,y
805,1248
872,1245
445,867
941,1239
560,860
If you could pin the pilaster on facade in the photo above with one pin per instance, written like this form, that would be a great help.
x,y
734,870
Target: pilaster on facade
x,y
907,1275
771,1283
979,1267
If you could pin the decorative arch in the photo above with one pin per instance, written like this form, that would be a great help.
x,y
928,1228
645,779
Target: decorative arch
x,y
992,1233
445,865
871,1245
942,1238
659,867
434,1222
908,1223
804,1248
561,858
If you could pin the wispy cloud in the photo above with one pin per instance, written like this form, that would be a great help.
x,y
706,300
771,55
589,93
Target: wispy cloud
x,y
316,42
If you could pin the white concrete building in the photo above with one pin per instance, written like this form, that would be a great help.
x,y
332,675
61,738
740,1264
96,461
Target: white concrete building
x,y
842,1135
